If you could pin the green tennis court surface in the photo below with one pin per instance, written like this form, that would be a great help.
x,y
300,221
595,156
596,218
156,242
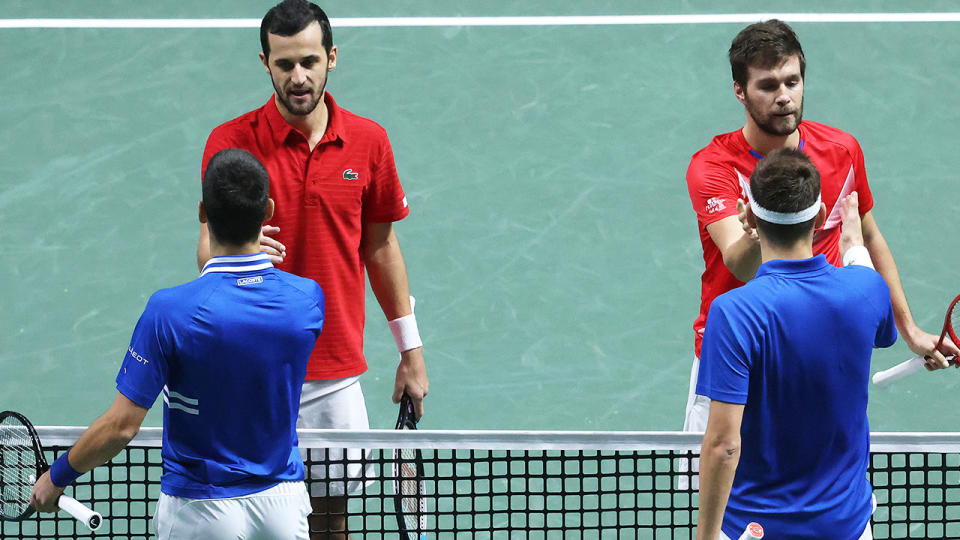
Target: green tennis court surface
x,y
551,246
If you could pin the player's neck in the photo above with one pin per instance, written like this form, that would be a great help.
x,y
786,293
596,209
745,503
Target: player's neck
x,y
221,250
764,143
312,125
796,252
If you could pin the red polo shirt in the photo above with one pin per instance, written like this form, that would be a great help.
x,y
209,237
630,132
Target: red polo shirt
x,y
323,198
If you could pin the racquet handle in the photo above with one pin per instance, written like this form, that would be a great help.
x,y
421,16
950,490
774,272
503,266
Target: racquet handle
x,y
899,371
78,510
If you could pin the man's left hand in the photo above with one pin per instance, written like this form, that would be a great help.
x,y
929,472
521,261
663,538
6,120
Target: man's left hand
x,y
412,379
925,345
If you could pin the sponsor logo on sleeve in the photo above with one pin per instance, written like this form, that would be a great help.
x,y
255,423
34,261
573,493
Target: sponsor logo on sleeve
x,y
250,280
136,356
715,204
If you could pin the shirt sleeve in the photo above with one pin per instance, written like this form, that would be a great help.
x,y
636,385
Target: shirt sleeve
x,y
887,328
725,359
143,372
714,190
384,200
864,195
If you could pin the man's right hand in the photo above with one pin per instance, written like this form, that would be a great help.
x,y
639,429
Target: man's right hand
x,y
274,249
851,233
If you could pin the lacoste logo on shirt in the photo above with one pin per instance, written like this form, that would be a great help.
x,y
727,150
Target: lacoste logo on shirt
x,y
350,175
715,204
250,280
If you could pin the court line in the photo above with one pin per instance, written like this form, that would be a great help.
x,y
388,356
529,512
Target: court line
x,y
572,20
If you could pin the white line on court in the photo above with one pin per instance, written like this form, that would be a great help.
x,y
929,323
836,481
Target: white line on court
x,y
572,20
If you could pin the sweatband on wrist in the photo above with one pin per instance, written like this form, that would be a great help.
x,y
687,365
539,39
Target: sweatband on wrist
x,y
857,255
61,473
405,332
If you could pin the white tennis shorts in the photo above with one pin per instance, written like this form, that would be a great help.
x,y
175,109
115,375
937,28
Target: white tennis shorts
x,y
278,513
342,408
698,407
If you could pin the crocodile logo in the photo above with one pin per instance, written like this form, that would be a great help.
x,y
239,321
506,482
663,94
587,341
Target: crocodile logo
x,y
350,175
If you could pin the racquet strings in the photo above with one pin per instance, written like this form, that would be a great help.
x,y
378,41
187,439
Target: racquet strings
x,y
410,489
18,467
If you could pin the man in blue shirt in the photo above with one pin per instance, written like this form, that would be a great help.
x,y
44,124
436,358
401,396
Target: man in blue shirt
x,y
786,364
229,352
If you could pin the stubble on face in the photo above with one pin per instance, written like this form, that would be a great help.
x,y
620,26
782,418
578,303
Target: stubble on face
x,y
300,107
772,122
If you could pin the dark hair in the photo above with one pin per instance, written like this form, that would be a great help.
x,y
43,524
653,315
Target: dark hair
x,y
785,181
290,17
236,188
764,45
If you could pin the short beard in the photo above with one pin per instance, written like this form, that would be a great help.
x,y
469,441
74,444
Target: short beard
x,y
303,110
768,127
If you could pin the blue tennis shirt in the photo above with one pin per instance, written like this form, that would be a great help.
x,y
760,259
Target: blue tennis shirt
x,y
793,346
229,352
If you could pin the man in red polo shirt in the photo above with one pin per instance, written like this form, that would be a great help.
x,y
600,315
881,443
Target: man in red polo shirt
x,y
336,193
768,67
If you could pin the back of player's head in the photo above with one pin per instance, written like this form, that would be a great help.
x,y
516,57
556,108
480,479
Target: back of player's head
x,y
786,182
291,17
764,45
236,191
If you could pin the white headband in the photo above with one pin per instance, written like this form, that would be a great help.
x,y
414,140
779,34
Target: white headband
x,y
785,218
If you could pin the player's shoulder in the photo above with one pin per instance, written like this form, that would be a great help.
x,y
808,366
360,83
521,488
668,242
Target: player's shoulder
x,y
816,131
356,122
308,289
718,156
863,278
239,128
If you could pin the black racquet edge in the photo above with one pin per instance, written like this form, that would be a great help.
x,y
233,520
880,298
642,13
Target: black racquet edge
x,y
21,463
409,487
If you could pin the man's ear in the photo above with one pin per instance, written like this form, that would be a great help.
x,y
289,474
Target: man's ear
x,y
821,217
740,93
270,207
266,62
751,219
201,212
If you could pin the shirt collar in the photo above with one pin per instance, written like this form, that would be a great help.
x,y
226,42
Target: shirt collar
x,y
281,129
237,263
814,264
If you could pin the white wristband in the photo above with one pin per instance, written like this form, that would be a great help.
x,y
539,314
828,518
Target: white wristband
x,y
857,255
405,332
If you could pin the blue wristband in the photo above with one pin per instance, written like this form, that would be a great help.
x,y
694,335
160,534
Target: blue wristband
x,y
61,473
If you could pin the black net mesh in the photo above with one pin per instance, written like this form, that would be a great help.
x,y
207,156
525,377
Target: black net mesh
x,y
524,493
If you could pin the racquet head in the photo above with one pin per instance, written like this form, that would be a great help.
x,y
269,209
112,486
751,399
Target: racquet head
x,y
952,322
21,463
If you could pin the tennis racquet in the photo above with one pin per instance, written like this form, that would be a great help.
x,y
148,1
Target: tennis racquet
x,y
950,324
408,486
21,463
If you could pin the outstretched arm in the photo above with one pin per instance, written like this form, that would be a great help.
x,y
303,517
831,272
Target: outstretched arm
x,y
738,243
388,279
103,440
920,342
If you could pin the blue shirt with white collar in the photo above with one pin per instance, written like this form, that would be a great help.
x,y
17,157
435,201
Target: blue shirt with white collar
x,y
229,352
793,346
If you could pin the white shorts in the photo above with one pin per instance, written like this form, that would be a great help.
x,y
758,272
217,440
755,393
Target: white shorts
x,y
342,408
695,419
698,407
278,513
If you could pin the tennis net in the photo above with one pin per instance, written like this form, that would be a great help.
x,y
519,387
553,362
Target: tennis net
x,y
487,484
